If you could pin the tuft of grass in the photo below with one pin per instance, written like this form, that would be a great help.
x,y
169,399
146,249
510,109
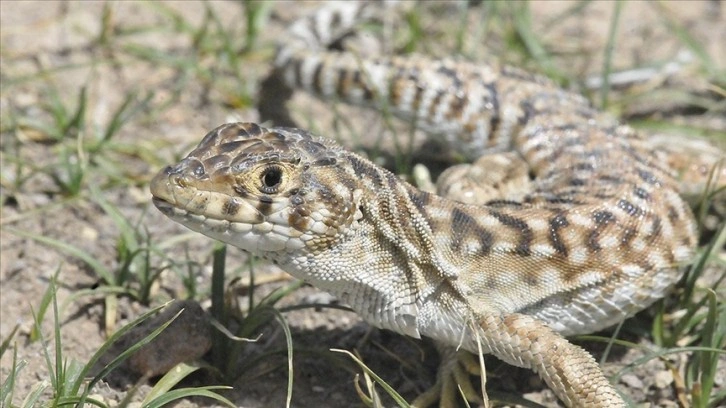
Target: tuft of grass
x,y
218,55
370,377
140,260
80,148
69,380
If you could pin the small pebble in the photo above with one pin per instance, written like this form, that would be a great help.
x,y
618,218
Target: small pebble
x,y
632,381
663,379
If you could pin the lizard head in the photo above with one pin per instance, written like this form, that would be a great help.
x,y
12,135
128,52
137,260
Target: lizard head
x,y
267,191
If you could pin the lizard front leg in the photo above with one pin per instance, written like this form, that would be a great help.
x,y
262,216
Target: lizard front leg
x,y
571,372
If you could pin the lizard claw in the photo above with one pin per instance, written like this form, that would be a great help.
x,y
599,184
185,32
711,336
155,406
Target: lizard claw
x,y
453,382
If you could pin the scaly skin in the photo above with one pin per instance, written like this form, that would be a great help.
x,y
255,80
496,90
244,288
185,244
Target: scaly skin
x,y
573,257
601,233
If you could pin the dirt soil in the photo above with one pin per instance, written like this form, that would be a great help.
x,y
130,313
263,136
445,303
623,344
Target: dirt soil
x,y
52,50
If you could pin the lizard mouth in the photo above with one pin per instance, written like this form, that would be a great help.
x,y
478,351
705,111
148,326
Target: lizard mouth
x,y
229,219
162,191
162,205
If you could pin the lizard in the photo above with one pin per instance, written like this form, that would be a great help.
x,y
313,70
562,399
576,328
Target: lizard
x,y
602,234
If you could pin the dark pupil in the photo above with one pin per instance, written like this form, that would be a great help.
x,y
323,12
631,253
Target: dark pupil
x,y
272,177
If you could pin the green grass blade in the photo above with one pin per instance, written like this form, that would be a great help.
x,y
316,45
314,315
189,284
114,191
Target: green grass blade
x,y
6,343
173,395
72,374
128,232
48,295
288,340
74,126
8,386
109,342
101,290
126,111
128,352
34,395
61,370
218,312
608,59
395,395
53,371
279,293
172,378
703,370
80,402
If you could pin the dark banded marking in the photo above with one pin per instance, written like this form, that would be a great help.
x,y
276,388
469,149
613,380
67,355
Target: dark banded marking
x,y
341,82
395,87
672,214
577,182
392,181
416,102
630,208
457,106
603,217
495,119
451,74
420,200
641,193
335,22
562,199
464,225
647,176
526,235
297,69
318,77
592,242
627,237
558,222
436,102
491,283
528,112
655,229
368,94
502,203
583,166
363,169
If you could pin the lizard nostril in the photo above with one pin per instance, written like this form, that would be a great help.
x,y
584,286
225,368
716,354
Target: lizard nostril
x,y
180,180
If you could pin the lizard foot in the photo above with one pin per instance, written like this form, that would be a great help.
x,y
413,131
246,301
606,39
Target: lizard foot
x,y
453,382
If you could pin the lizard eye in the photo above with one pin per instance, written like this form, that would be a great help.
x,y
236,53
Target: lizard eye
x,y
271,179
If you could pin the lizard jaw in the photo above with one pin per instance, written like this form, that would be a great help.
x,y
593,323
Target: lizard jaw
x,y
208,212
